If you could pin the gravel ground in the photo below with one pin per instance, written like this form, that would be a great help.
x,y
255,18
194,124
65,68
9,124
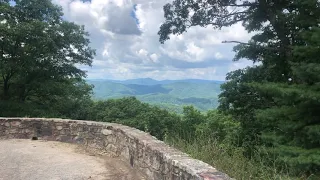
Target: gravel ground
x,y
47,160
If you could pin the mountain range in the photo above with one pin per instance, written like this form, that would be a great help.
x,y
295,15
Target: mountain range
x,y
168,94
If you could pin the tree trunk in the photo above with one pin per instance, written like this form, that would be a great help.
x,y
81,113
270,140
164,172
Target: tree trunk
x,y
6,86
22,94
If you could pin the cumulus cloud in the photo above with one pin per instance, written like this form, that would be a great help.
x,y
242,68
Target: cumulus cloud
x,y
124,33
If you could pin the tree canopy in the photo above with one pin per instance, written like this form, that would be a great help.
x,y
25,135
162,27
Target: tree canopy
x,y
277,101
40,52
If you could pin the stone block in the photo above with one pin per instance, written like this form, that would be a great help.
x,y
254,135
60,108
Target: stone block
x,y
79,140
7,124
46,131
15,123
155,163
111,147
13,131
106,132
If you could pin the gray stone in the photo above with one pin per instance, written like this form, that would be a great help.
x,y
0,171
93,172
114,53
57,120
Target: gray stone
x,y
13,131
7,124
106,132
111,147
15,123
46,131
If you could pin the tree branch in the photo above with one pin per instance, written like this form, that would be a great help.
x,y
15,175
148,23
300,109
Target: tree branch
x,y
230,14
242,5
216,24
235,42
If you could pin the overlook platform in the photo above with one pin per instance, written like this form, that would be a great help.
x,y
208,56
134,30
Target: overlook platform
x,y
64,149
37,160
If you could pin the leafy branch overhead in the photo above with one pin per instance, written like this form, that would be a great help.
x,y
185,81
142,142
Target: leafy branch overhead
x,y
183,14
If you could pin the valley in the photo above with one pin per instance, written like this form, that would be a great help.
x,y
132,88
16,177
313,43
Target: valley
x,y
167,94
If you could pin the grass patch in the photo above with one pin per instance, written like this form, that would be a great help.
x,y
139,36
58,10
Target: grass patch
x,y
228,159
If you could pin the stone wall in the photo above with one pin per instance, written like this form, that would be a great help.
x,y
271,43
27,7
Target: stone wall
x,y
144,152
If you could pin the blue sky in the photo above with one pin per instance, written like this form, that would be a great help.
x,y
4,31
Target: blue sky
x,y
124,33
12,3
133,14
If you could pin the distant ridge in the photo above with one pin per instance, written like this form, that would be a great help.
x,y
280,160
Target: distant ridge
x,y
150,81
169,94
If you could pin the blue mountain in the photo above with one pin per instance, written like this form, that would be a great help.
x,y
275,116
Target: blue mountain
x,y
168,94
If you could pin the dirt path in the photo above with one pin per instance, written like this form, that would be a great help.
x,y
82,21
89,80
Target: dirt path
x,y
39,160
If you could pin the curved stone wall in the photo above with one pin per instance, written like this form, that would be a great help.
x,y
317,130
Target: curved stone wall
x,y
144,152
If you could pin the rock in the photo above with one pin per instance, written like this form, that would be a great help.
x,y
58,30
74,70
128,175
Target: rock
x,y
15,123
106,132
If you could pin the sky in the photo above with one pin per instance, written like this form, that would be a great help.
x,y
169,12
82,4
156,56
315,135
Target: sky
x,y
124,34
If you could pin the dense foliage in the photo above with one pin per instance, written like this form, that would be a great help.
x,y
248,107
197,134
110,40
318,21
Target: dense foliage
x,y
277,102
132,112
39,52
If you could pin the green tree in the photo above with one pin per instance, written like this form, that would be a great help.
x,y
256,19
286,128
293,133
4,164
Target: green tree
x,y
221,127
276,101
38,47
39,53
132,112
291,127
191,119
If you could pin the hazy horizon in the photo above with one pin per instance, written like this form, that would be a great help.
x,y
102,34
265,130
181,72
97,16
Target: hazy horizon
x,y
148,78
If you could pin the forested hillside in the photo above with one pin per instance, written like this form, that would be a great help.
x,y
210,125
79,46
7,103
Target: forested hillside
x,y
267,125
169,94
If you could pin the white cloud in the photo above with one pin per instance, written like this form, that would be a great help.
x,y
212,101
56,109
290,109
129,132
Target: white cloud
x,y
154,57
128,45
